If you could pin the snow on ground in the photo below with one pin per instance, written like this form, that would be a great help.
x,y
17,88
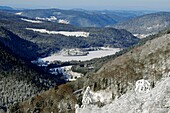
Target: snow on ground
x,y
103,96
19,13
31,21
149,28
91,55
69,75
155,101
51,18
141,36
72,75
66,33
63,21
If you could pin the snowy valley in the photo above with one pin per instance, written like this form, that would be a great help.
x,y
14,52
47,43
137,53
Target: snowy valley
x,y
84,61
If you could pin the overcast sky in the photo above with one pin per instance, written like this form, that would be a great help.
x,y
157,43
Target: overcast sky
x,y
163,5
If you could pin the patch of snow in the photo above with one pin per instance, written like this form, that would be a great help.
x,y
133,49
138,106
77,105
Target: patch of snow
x,y
142,86
90,97
157,25
87,99
66,71
51,18
63,21
19,13
40,63
38,18
31,21
141,36
103,96
154,26
65,33
91,55
149,28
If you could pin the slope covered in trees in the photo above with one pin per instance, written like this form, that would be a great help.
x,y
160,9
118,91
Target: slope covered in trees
x,y
50,43
23,48
146,24
84,18
149,60
19,80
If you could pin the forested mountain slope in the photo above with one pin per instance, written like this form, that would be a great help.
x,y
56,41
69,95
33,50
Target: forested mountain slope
x,y
20,80
23,48
147,24
44,35
149,60
83,18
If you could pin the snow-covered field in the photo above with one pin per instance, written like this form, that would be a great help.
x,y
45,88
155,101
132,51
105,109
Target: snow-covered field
x,y
51,18
63,21
31,21
66,33
91,55
19,13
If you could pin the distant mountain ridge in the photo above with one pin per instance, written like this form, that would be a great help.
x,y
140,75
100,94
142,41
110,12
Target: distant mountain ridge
x,y
146,24
84,18
50,43
5,8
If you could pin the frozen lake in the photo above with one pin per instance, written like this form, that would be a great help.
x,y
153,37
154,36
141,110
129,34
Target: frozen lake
x,y
91,55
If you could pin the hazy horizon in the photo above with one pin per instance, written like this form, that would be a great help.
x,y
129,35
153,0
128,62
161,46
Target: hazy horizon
x,y
157,5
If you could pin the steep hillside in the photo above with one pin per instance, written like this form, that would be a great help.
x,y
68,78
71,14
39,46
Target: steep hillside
x,y
56,100
20,47
147,24
149,60
48,37
20,80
